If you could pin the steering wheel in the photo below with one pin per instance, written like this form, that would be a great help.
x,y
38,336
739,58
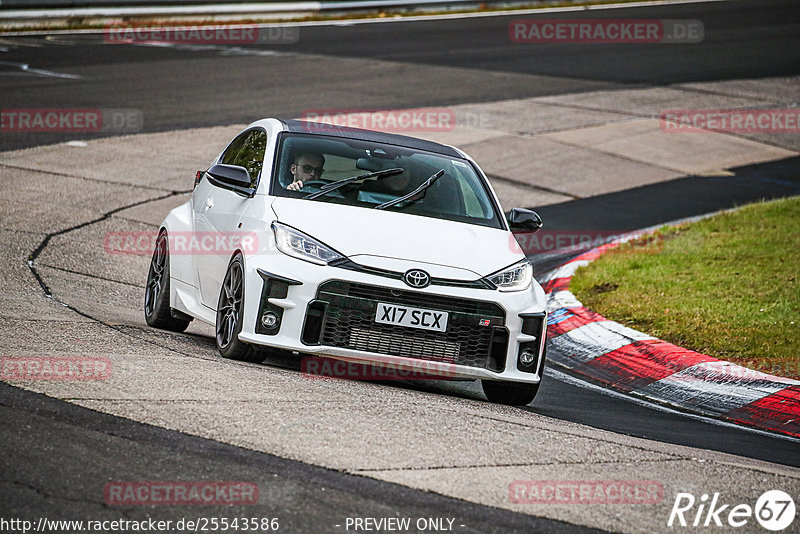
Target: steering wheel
x,y
315,183
319,184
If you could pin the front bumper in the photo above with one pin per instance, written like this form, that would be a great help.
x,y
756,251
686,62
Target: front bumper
x,y
329,311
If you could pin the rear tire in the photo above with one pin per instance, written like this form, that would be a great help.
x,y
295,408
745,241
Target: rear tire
x,y
511,393
229,316
157,312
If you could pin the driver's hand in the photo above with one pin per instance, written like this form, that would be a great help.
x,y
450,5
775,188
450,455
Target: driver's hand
x,y
295,186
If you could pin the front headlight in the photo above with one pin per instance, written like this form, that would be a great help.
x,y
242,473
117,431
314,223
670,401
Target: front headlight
x,y
301,246
514,278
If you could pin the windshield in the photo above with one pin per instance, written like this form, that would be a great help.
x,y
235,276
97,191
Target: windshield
x,y
376,175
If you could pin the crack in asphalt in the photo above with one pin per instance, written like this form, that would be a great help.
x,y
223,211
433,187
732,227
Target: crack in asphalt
x,y
31,262
512,464
85,178
38,250
532,186
677,87
94,276
49,496
622,157
565,432
7,318
174,401
712,92
14,230
136,221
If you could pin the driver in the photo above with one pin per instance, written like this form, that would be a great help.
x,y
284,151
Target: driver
x,y
306,166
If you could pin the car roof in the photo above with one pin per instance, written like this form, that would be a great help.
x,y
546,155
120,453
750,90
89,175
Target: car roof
x,y
370,135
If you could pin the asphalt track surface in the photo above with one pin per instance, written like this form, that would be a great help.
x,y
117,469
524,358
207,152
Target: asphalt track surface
x,y
109,448
423,64
430,65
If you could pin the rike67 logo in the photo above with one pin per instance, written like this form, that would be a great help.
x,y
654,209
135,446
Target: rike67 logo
x,y
774,510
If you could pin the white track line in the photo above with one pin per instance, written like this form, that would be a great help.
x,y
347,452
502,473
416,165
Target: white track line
x,y
24,67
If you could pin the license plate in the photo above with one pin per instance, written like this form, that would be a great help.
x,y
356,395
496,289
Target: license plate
x,y
411,317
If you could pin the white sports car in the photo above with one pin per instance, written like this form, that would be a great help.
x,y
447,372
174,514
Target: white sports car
x,y
354,245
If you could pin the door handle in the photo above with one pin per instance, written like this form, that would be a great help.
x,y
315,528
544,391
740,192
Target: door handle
x,y
208,204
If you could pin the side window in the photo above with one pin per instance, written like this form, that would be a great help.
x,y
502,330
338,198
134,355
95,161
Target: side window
x,y
247,151
251,156
229,156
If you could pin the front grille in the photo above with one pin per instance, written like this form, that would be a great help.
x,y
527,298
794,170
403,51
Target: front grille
x,y
346,263
348,321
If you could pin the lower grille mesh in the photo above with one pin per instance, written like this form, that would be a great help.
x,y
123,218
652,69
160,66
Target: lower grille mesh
x,y
350,323
396,344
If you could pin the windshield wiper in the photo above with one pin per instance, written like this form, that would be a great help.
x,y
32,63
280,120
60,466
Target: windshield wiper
x,y
333,186
421,189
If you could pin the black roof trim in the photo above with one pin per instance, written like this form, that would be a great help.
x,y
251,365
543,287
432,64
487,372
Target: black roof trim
x,y
369,135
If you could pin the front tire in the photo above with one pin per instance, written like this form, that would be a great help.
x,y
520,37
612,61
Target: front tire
x,y
157,312
511,393
229,316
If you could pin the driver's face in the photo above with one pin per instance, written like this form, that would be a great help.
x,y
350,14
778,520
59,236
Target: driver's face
x,y
307,167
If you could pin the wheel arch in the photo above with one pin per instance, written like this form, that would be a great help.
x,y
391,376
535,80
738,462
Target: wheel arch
x,y
251,292
179,219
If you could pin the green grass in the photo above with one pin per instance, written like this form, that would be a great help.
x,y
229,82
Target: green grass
x,y
726,286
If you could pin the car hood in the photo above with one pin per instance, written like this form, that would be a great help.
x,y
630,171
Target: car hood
x,y
398,241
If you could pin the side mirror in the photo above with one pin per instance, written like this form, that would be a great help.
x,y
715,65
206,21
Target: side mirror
x,y
231,175
523,219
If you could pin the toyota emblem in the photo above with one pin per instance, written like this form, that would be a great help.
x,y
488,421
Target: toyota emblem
x,y
417,278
